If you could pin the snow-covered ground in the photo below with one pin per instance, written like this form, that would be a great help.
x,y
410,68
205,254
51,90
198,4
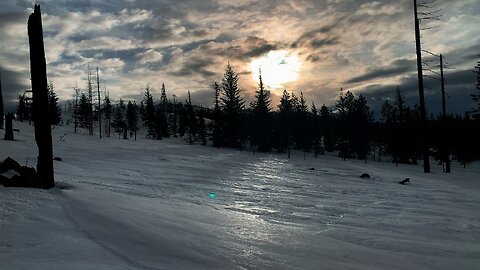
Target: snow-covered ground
x,y
147,205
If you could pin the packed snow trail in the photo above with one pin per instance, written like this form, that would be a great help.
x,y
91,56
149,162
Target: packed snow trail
x,y
146,205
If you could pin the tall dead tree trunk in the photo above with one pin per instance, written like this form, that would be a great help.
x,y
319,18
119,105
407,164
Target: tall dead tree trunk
x,y
445,150
41,118
90,102
423,112
99,106
1,104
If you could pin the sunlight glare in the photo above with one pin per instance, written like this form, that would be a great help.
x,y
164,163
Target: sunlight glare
x,y
278,68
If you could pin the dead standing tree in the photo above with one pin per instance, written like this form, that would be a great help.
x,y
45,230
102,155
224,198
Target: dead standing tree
x,y
38,66
1,104
99,110
419,16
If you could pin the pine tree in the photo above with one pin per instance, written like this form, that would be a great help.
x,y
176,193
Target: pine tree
x,y
326,133
302,140
345,107
261,129
476,96
400,130
202,129
54,109
132,118
160,124
217,123
285,118
76,109
107,110
149,115
83,111
192,128
232,106
119,122
182,119
163,98
362,119
24,108
315,134
174,119
161,116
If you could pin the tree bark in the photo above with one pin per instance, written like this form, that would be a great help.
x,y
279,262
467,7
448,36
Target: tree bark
x,y
423,112
445,147
1,104
38,67
8,127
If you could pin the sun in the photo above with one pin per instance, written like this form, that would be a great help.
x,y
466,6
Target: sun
x,y
278,68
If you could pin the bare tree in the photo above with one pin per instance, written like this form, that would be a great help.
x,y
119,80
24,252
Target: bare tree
x,y
1,104
99,106
419,16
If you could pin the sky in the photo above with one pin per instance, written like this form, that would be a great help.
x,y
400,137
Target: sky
x,y
312,46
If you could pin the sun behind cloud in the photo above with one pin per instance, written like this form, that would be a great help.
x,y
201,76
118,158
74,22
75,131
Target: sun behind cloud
x,y
277,67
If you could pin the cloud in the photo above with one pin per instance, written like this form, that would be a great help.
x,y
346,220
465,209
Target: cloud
x,y
150,56
394,68
365,46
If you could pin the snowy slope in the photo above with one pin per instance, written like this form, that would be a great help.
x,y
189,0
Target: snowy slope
x,y
146,205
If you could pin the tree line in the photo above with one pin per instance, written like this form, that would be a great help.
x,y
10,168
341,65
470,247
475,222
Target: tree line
x,y
347,128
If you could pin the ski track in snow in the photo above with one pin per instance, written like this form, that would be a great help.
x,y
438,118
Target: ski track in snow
x,y
145,205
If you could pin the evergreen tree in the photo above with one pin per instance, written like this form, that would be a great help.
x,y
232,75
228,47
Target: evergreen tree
x,y
84,111
191,120
23,111
182,119
362,119
302,138
202,129
107,109
400,130
76,110
232,106
476,96
149,114
173,119
163,98
119,122
345,107
54,109
315,133
217,118
162,128
132,118
326,133
160,124
261,129
285,119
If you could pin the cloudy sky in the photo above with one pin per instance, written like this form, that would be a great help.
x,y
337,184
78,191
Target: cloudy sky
x,y
313,46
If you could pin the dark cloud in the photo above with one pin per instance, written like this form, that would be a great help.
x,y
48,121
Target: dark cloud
x,y
317,38
240,49
252,47
194,66
13,84
9,18
398,67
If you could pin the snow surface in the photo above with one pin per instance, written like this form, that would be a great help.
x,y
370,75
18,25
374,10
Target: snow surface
x,y
124,204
